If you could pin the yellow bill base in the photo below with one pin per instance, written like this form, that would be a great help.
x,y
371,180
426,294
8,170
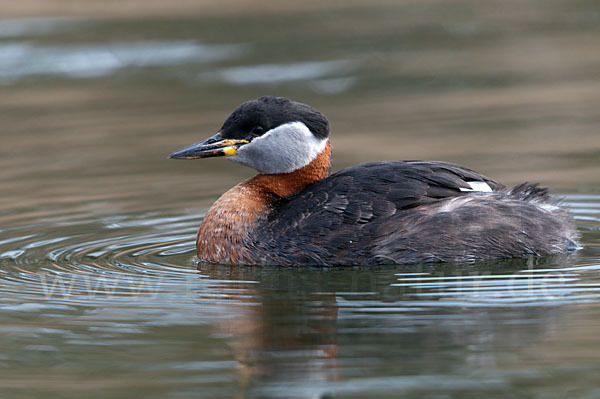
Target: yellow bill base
x,y
229,151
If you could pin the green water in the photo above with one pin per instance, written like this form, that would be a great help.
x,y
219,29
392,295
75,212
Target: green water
x,y
100,295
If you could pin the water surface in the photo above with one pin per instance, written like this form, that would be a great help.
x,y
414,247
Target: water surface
x,y
100,294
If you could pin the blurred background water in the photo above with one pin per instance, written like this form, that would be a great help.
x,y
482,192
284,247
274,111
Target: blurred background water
x,y
99,291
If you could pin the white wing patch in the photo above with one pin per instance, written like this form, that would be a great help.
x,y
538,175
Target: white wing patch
x,y
478,186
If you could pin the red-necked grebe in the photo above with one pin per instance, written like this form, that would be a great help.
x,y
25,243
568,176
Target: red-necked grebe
x,y
295,213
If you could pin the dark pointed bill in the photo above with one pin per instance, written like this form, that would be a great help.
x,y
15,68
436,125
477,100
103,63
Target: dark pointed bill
x,y
214,146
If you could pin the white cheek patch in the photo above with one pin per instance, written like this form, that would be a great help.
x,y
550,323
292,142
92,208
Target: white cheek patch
x,y
283,149
478,186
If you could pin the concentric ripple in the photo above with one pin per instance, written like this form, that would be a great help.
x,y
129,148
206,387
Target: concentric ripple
x,y
142,260
120,244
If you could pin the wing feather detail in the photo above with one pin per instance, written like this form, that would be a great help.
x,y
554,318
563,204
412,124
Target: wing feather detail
x,y
340,216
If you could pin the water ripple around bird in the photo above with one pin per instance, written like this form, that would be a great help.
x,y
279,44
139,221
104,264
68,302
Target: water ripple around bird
x,y
124,256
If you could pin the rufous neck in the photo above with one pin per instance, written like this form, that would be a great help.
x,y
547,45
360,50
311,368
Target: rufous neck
x,y
287,184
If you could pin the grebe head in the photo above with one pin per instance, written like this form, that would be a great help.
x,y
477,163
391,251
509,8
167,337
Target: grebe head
x,y
270,134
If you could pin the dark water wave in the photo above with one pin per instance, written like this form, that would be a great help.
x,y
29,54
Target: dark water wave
x,y
110,260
